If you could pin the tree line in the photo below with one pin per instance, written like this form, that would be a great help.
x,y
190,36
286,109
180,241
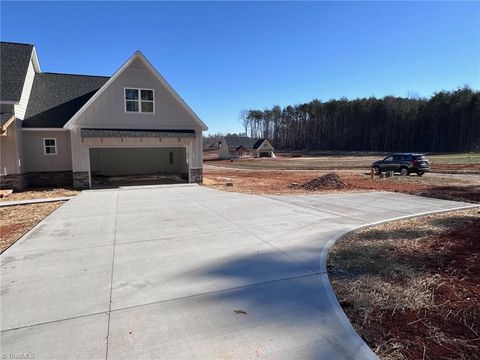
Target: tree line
x,y
447,121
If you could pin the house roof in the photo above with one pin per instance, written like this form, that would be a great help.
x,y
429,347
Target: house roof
x,y
4,117
137,55
14,60
246,142
55,98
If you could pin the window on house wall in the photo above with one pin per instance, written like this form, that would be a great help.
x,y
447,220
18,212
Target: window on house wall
x,y
50,146
139,100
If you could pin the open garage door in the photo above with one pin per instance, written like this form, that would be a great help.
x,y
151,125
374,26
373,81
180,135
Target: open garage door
x,y
138,166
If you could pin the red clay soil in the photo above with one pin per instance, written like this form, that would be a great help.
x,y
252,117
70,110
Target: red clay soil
x,y
450,329
280,182
10,229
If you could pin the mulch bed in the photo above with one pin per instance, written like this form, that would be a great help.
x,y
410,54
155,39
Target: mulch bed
x,y
447,325
450,328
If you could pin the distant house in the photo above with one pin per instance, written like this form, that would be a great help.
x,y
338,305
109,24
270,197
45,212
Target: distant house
x,y
240,147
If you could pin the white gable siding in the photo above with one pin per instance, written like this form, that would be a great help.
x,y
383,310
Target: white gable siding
x,y
265,146
108,110
223,153
21,108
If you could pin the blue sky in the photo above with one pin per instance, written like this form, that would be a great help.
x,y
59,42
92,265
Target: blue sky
x,y
222,57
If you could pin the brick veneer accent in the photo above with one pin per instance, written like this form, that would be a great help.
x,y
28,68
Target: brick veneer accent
x,y
13,181
80,180
196,176
49,179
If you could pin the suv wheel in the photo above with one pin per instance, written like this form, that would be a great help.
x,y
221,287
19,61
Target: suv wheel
x,y
404,171
420,173
376,169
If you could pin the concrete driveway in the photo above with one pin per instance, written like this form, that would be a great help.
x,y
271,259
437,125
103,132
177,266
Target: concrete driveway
x,y
159,272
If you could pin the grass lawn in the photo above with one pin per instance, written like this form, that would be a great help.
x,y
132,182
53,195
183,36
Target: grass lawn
x,y
449,163
411,288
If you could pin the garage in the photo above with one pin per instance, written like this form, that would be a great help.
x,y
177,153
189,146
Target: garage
x,y
115,166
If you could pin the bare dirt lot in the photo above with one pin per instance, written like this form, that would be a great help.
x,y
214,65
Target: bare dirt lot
x,y
411,288
17,220
454,187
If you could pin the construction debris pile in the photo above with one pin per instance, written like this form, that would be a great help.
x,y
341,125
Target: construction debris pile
x,y
325,182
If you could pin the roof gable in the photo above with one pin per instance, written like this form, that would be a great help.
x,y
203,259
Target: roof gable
x,y
134,61
246,142
14,61
55,98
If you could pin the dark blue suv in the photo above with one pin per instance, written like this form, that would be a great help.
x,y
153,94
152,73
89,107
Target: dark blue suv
x,y
405,164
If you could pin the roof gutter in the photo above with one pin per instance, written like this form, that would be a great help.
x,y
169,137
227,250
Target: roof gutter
x,y
44,129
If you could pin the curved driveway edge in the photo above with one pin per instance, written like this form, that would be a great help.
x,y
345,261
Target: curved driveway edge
x,y
352,333
187,272
362,351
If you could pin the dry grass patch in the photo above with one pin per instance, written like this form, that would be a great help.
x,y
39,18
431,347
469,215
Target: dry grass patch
x,y
17,220
329,160
411,288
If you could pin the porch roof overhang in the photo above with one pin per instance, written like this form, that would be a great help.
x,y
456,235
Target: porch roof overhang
x,y
135,133
5,120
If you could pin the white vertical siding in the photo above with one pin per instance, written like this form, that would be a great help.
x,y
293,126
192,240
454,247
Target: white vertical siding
x,y
21,108
108,110
223,152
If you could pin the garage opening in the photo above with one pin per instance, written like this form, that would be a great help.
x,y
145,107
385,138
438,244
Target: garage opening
x,y
111,167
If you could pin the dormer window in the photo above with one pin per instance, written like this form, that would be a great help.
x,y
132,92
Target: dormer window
x,y
139,100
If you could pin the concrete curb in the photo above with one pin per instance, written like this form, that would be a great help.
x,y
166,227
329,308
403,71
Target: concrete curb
x,y
34,201
362,349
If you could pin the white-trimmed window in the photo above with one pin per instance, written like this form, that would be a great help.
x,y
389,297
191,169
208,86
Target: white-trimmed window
x,y
50,146
139,100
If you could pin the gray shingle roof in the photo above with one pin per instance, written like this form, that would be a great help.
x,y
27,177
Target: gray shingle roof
x,y
55,98
4,117
246,142
14,60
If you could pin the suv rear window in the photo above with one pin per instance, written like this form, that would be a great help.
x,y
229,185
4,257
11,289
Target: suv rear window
x,y
419,157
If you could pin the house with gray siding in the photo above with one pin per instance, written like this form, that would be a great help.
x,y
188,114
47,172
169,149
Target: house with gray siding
x,y
68,130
